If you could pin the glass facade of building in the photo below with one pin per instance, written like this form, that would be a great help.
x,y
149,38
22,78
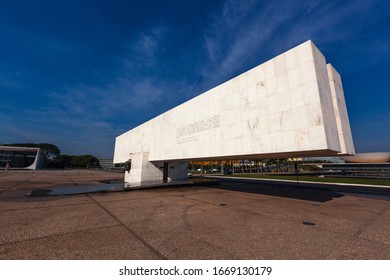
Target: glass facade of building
x,y
359,170
20,158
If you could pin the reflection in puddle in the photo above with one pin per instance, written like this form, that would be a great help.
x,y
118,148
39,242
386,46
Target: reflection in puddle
x,y
78,189
97,188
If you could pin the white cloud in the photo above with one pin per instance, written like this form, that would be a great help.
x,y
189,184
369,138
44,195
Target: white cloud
x,y
248,30
130,90
144,49
241,34
238,32
84,113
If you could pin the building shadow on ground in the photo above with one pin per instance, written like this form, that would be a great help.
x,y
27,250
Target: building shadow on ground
x,y
294,190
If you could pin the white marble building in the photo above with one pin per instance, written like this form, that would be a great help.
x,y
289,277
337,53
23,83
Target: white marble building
x,y
290,106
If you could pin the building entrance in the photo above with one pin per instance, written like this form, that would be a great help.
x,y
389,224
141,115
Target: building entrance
x,y
165,172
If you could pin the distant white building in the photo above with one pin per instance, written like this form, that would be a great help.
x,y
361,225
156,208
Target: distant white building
x,y
107,163
378,157
290,106
21,158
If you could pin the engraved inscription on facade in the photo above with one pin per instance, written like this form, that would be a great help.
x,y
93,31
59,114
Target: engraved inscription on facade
x,y
183,134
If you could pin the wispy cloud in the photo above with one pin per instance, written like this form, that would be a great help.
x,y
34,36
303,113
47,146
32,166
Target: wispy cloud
x,y
122,94
245,31
130,90
86,112
90,91
142,52
247,28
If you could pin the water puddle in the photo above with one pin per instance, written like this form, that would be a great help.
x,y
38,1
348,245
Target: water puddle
x,y
105,186
78,189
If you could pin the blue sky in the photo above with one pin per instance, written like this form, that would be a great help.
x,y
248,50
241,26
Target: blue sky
x,y
79,73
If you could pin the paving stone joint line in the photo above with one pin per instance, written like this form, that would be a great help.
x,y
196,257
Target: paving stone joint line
x,y
143,241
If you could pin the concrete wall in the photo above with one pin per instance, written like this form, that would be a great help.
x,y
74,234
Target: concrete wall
x,y
142,170
340,110
283,107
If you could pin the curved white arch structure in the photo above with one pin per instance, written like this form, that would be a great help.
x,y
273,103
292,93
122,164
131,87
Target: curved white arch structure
x,y
16,157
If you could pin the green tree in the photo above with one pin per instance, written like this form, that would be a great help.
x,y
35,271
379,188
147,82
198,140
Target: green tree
x,y
67,161
51,151
85,161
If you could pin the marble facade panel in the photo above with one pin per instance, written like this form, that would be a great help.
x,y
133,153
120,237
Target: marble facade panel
x,y
293,103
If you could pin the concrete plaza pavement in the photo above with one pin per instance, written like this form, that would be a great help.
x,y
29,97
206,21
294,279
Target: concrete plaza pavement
x,y
232,220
